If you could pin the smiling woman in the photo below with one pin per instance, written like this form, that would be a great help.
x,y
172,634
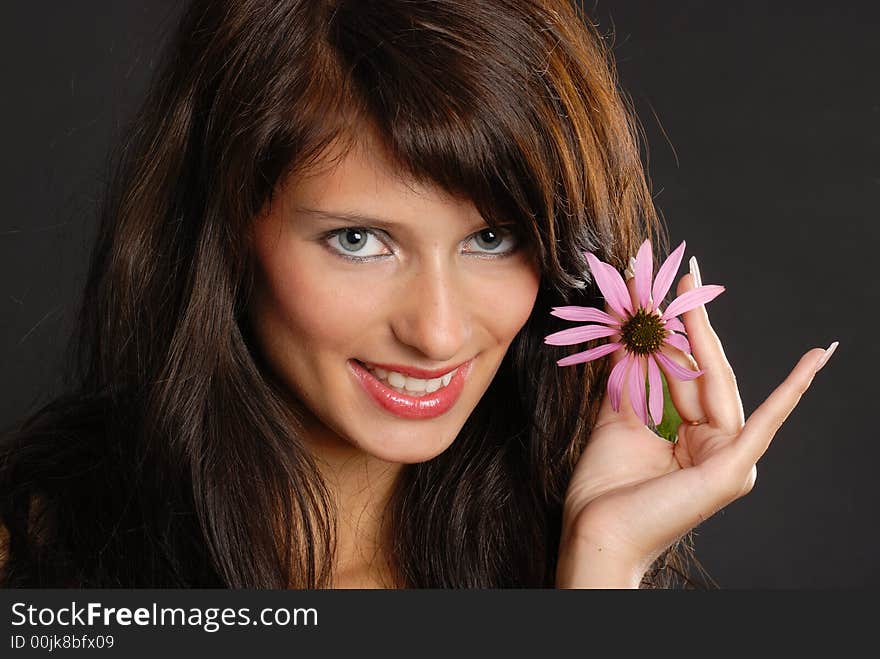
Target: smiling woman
x,y
311,342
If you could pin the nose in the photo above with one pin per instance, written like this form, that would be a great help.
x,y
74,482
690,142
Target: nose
x,y
431,314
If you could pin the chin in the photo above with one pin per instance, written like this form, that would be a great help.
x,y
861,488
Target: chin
x,y
406,447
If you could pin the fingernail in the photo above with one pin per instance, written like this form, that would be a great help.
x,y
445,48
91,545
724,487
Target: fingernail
x,y
630,271
695,271
828,352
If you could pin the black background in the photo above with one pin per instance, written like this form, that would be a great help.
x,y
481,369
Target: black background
x,y
761,122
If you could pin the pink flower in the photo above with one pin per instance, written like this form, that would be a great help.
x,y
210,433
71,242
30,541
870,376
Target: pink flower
x,y
638,327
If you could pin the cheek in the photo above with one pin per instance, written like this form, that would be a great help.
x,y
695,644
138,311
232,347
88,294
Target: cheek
x,y
506,302
321,311
301,309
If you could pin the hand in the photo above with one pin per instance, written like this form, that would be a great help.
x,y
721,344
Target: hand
x,y
633,493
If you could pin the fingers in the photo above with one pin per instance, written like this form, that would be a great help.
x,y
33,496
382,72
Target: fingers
x,y
766,420
685,394
719,394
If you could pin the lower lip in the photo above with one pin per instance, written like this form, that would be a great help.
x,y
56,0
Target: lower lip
x,y
412,407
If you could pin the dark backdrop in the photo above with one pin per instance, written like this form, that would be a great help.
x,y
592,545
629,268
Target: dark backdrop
x,y
761,122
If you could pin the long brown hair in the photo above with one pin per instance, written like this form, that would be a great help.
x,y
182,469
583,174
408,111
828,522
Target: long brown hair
x,y
175,460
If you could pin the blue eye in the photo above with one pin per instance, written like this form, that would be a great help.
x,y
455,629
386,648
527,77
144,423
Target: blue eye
x,y
352,240
491,239
353,243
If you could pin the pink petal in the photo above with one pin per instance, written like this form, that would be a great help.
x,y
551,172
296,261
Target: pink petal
x,y
589,355
643,272
589,314
616,380
656,394
678,341
620,287
666,274
675,325
693,298
574,335
612,285
672,369
637,389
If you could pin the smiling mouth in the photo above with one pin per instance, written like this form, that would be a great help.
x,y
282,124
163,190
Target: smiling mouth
x,y
407,384
404,402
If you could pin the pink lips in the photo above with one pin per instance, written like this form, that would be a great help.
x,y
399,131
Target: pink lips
x,y
412,407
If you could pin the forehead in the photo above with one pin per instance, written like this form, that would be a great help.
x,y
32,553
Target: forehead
x,y
364,181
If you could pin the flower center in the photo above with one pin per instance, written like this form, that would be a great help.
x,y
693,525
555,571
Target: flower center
x,y
643,333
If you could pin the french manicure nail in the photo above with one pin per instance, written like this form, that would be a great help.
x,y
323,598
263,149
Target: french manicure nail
x,y
695,271
828,352
630,271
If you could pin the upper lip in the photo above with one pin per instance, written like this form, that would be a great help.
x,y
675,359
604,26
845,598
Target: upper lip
x,y
424,373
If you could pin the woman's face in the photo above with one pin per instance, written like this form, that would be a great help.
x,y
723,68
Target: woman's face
x,y
422,284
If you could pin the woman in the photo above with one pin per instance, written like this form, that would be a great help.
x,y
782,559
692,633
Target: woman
x,y
318,203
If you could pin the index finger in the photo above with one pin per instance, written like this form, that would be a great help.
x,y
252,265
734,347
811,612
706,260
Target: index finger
x,y
718,388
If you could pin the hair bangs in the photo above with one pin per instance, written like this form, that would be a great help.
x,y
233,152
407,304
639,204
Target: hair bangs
x,y
451,100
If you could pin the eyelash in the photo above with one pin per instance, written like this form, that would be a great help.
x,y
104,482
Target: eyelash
x,y
503,231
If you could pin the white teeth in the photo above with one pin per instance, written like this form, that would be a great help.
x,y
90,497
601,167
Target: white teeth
x,y
410,385
433,385
396,379
415,385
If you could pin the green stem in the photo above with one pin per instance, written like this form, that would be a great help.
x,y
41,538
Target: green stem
x,y
668,428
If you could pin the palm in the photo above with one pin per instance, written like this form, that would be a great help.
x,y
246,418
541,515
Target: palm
x,y
619,453
623,459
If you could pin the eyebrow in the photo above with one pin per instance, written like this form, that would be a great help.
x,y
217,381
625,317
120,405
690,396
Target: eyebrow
x,y
358,219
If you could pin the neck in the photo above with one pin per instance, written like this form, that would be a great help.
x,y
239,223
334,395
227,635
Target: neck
x,y
362,486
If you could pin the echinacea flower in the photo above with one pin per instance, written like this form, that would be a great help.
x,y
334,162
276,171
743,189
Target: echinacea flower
x,y
638,327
